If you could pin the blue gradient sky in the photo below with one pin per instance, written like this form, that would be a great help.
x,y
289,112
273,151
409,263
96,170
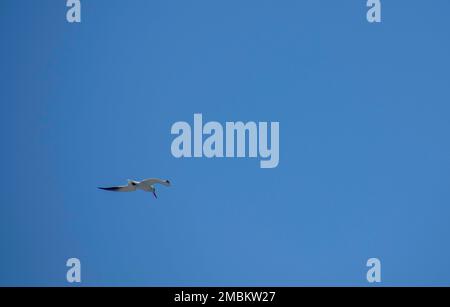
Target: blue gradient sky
x,y
364,142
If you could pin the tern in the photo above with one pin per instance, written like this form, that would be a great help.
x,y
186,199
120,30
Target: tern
x,y
147,185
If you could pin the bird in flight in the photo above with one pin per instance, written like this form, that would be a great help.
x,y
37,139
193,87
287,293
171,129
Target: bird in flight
x,y
147,185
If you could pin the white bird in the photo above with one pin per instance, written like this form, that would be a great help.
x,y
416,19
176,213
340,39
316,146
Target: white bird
x,y
147,185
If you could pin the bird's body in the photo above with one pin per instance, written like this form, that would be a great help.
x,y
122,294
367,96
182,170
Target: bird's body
x,y
147,185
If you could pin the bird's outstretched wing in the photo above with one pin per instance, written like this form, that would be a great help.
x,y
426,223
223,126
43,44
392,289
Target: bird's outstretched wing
x,y
152,181
125,188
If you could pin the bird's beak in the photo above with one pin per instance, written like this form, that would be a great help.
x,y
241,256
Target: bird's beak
x,y
154,193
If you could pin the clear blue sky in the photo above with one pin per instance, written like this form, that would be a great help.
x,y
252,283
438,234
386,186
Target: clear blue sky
x,y
364,142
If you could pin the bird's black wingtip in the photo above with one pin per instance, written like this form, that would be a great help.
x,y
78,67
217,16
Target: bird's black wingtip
x,y
108,189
